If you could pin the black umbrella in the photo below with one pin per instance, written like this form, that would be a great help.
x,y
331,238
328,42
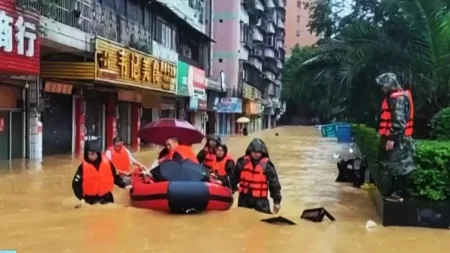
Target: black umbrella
x,y
186,171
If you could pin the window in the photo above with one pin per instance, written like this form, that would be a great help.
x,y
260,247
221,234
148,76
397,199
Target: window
x,y
299,4
132,11
108,3
165,34
121,7
192,3
242,31
270,41
298,18
297,33
200,16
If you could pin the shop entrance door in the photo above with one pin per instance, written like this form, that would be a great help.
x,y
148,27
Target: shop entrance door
x,y
4,135
57,124
95,118
17,135
123,122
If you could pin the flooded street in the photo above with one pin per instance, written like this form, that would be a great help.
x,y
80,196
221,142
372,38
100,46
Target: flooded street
x,y
38,215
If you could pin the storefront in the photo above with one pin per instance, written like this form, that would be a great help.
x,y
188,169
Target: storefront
x,y
57,118
111,105
253,111
215,89
226,109
253,107
191,83
19,68
128,103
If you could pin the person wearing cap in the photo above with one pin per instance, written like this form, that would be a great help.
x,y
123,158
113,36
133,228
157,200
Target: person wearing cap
x,y
95,178
396,129
256,175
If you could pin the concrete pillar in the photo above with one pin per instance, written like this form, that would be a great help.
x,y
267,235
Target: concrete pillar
x,y
135,125
80,117
111,119
35,125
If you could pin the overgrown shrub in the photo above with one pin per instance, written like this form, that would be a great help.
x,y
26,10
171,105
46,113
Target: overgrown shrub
x,y
440,125
431,179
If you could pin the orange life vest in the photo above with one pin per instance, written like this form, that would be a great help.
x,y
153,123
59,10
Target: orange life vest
x,y
97,182
219,167
120,160
186,153
210,158
386,116
253,179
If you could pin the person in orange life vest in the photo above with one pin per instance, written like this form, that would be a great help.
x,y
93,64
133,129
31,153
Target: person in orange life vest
x,y
122,158
207,156
396,143
223,166
256,176
179,152
95,177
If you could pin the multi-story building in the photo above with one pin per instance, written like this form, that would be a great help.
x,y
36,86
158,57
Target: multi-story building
x,y
250,51
297,25
106,67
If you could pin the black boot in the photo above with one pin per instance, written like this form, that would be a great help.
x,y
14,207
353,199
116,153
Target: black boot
x,y
399,189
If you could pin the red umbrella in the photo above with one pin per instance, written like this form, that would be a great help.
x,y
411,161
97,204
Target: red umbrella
x,y
160,130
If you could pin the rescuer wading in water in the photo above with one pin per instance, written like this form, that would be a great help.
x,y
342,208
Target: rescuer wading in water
x,y
396,144
256,176
95,177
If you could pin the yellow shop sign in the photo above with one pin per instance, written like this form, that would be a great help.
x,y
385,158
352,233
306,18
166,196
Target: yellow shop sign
x,y
126,66
251,93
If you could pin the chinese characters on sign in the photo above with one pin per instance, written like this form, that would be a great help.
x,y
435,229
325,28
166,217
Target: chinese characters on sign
x,y
60,88
127,66
23,32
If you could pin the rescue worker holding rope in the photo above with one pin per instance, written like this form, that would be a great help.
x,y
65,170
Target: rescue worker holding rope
x,y
396,149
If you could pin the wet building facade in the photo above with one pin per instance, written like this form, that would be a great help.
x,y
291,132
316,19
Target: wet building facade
x,y
108,68
250,49
20,128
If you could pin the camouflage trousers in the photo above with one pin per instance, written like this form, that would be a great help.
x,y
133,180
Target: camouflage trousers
x,y
395,165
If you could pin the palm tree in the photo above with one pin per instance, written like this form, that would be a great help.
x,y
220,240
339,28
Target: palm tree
x,y
413,40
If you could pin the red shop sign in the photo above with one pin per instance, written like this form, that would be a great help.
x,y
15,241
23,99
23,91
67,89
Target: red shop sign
x,y
19,40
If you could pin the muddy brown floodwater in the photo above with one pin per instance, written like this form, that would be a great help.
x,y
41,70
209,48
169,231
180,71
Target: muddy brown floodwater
x,y
37,211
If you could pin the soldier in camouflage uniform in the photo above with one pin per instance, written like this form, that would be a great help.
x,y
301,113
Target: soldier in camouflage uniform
x,y
396,146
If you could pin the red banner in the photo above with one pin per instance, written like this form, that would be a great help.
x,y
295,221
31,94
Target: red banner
x,y
19,40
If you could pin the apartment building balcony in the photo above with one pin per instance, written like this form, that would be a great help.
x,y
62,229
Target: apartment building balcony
x,y
271,15
256,62
281,4
248,40
271,89
259,6
262,24
66,23
270,27
279,43
269,52
258,37
280,64
258,52
280,24
270,66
